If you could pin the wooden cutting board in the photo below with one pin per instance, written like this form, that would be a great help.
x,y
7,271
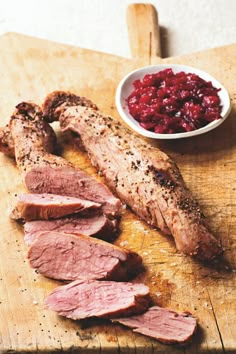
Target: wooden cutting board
x,y
31,68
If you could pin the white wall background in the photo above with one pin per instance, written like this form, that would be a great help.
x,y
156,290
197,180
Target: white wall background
x,y
186,25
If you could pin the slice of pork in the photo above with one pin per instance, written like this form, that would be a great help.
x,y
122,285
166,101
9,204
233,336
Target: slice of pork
x,y
68,257
163,324
74,183
90,225
90,298
49,206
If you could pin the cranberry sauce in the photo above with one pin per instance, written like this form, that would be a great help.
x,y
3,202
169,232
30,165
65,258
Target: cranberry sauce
x,y
167,103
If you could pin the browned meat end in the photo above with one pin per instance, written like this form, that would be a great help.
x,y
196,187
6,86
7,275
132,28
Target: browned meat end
x,y
68,257
90,225
34,139
165,325
6,142
88,298
143,177
74,183
63,99
49,206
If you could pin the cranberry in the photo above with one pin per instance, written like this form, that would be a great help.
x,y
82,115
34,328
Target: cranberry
x,y
148,126
211,101
168,103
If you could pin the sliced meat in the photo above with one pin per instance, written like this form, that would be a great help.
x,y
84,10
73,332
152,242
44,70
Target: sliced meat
x,y
68,257
89,225
49,206
74,183
143,177
31,140
90,298
162,324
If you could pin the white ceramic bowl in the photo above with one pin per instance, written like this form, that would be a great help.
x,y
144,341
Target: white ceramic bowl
x,y
125,88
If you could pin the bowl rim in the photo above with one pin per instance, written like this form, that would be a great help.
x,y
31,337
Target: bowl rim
x,y
140,72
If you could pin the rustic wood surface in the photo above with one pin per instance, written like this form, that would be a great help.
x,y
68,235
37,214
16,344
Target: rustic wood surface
x,y
31,68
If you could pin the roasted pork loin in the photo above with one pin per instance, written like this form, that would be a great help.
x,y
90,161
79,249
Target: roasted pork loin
x,y
64,256
165,325
142,176
90,298
91,224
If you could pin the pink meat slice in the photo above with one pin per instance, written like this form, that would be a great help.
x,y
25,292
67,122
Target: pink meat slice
x,y
64,256
90,298
89,225
74,183
49,206
163,324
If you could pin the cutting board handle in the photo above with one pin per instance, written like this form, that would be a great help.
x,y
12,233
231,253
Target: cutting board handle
x,y
144,35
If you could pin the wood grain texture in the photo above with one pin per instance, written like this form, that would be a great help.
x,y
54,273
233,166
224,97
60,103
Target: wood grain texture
x,y
144,36
31,68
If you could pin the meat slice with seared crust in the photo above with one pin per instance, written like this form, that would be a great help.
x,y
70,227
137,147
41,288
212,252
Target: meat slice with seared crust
x,y
90,298
97,225
143,177
32,140
49,206
64,256
163,324
74,183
